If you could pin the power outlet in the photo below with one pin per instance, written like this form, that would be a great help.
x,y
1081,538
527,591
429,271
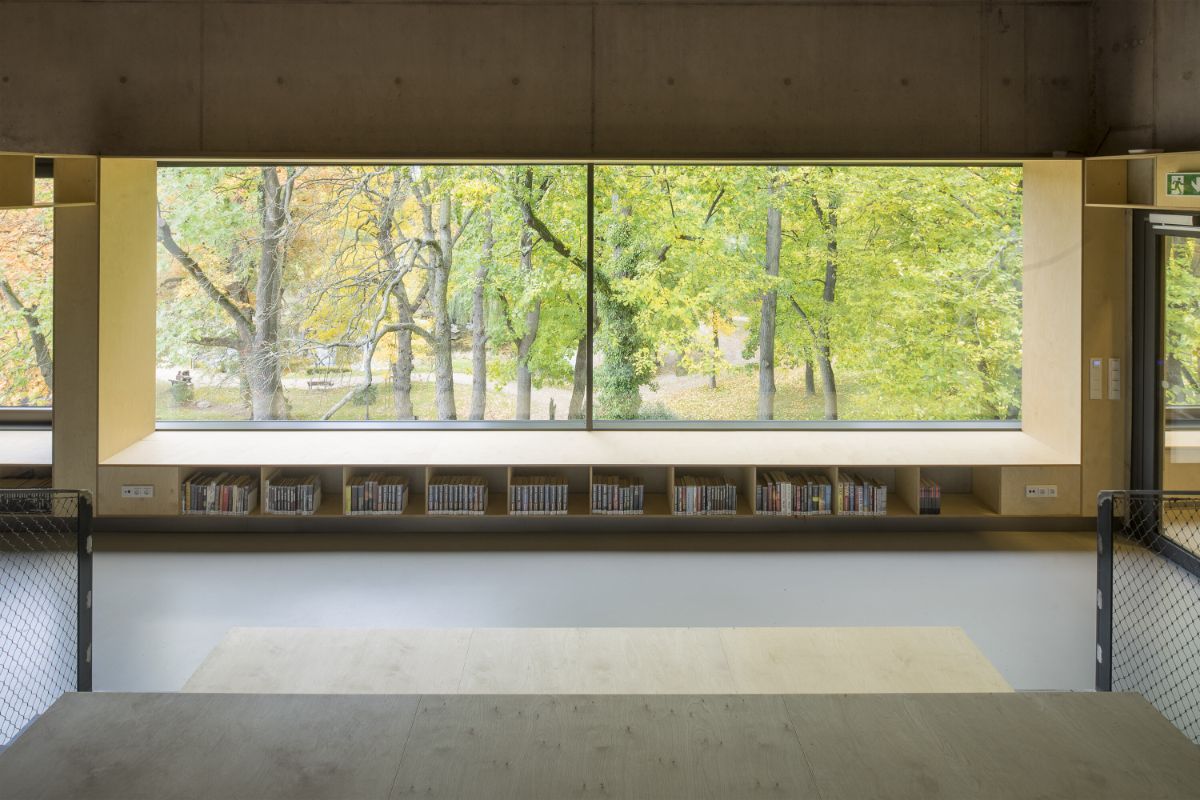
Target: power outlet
x,y
139,491
1041,490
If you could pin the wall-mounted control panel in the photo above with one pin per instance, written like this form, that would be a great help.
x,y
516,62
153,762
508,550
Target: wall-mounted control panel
x,y
1041,490
137,491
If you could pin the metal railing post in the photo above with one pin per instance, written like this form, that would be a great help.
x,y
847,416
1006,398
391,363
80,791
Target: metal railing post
x,y
83,642
1104,578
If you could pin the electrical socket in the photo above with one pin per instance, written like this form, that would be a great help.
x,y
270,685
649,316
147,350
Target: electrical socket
x,y
1041,490
137,491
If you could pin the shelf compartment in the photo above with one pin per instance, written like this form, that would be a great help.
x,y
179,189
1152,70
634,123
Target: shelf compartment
x,y
828,472
966,491
577,481
416,489
654,479
740,477
903,486
496,479
1126,181
75,180
17,180
186,474
331,485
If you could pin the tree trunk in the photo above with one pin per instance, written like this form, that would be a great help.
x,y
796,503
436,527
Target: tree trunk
x,y
533,319
810,386
618,378
828,383
479,334
824,354
712,377
264,371
579,387
766,327
443,355
828,217
41,348
402,368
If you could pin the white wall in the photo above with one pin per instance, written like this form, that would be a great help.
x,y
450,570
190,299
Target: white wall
x,y
158,614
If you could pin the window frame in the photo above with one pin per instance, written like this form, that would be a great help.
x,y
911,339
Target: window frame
x,y
589,422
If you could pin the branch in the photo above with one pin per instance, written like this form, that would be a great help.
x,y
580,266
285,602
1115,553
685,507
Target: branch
x,y
244,324
217,341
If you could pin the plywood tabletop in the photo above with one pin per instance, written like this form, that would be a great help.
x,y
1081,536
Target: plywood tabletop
x,y
597,661
1070,746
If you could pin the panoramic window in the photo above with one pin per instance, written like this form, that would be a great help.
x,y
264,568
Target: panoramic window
x,y
436,293
26,323
808,293
372,292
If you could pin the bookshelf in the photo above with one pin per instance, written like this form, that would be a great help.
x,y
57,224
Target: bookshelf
x,y
75,181
966,491
1138,181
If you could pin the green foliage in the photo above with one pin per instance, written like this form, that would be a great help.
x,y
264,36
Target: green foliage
x,y
922,322
1182,321
26,295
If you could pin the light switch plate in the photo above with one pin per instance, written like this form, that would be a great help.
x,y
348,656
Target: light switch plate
x,y
1114,379
138,491
1041,490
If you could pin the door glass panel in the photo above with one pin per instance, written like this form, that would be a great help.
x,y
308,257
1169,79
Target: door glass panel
x,y
1181,356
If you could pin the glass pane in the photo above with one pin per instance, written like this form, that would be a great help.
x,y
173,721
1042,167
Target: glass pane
x,y
808,293
1182,328
381,292
26,306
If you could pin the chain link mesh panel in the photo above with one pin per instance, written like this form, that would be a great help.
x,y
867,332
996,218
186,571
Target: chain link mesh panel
x,y
1150,581
45,586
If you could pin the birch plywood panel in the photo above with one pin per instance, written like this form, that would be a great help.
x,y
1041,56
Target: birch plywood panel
x,y
577,747
596,661
991,746
335,661
108,746
817,660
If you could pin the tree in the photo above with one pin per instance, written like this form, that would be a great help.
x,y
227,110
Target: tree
x,y
766,328
479,321
256,325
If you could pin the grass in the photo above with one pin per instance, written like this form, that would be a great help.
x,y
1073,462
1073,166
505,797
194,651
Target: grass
x,y
225,403
734,398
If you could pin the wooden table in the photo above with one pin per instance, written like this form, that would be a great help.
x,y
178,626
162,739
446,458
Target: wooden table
x,y
596,661
1076,746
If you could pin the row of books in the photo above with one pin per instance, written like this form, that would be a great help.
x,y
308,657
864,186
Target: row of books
x,y
930,498
26,495
616,495
780,494
376,494
861,495
457,494
219,493
537,495
299,495
704,495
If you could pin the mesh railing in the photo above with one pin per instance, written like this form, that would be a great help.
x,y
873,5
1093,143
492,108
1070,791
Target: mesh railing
x,y
1148,601
45,602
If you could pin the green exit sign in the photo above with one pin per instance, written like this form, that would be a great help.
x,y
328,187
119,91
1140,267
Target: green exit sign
x,y
1183,184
